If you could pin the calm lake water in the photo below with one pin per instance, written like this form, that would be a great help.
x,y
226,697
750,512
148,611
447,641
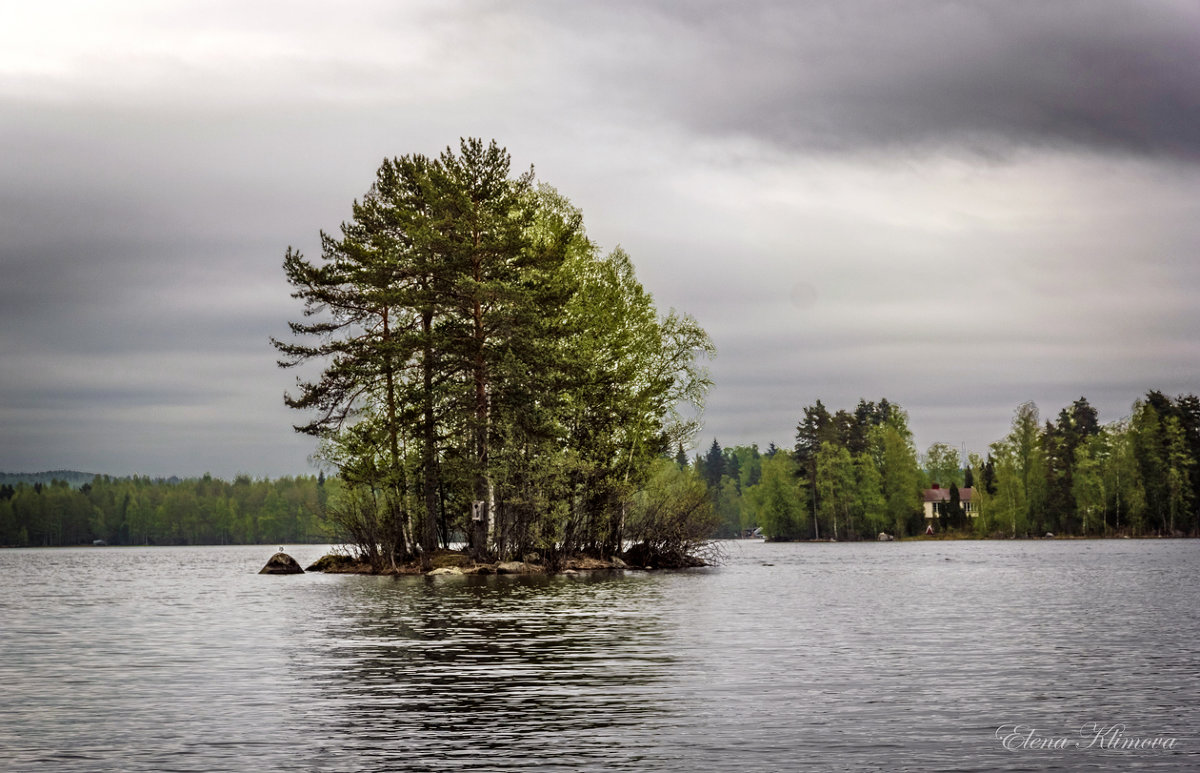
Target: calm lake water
x,y
900,656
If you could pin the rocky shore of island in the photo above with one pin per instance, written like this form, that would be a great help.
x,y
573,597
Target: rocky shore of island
x,y
456,562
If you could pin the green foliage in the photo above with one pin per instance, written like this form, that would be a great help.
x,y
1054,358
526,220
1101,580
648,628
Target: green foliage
x,y
777,502
1070,476
896,458
488,374
712,468
1165,463
856,474
836,487
870,504
1074,476
1061,439
141,511
671,519
748,463
729,508
852,475
954,517
943,465
1088,484
1020,474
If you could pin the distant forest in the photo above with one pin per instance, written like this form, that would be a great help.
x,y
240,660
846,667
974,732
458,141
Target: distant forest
x,y
855,473
850,475
141,511
73,478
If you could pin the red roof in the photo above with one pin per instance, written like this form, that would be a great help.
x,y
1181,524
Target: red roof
x,y
943,495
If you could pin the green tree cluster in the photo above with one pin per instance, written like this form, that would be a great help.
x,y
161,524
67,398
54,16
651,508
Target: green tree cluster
x,y
487,375
141,511
852,475
1074,476
943,465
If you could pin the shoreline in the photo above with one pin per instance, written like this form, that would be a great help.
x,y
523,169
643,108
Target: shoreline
x,y
453,562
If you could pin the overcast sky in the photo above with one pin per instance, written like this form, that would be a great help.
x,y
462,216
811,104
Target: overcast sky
x,y
958,206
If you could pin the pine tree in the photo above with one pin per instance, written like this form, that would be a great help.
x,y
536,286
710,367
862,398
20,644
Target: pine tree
x,y
479,356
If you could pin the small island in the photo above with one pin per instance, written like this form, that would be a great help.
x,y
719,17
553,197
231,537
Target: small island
x,y
457,562
488,375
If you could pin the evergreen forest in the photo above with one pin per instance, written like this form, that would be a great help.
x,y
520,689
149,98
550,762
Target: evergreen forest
x,y
852,474
488,375
141,511
855,473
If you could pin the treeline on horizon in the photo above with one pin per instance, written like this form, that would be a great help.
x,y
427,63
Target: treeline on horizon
x,y
854,474
74,478
142,511
850,475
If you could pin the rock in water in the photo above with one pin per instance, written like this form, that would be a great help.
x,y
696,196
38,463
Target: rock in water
x,y
281,563
332,562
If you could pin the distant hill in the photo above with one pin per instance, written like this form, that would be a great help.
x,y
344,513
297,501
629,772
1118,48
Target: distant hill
x,y
74,478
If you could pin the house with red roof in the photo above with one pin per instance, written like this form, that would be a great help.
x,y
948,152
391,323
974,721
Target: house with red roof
x,y
938,498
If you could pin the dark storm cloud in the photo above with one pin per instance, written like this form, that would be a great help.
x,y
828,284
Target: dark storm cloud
x,y
985,77
777,169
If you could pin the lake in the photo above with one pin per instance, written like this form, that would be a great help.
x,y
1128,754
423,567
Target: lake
x,y
930,656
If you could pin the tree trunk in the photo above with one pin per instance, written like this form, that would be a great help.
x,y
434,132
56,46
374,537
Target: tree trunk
x,y
395,509
428,428
481,511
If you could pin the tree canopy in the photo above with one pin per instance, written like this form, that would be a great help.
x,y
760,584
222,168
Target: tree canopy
x,y
486,373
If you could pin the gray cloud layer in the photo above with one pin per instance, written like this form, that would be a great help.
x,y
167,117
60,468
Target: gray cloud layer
x,y
910,75
957,205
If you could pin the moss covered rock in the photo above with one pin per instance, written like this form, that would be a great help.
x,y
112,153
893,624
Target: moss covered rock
x,y
334,562
281,563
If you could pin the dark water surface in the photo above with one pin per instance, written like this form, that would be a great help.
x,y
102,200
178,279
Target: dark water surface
x,y
901,656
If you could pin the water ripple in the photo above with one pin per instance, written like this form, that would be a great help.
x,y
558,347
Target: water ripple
x,y
791,657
